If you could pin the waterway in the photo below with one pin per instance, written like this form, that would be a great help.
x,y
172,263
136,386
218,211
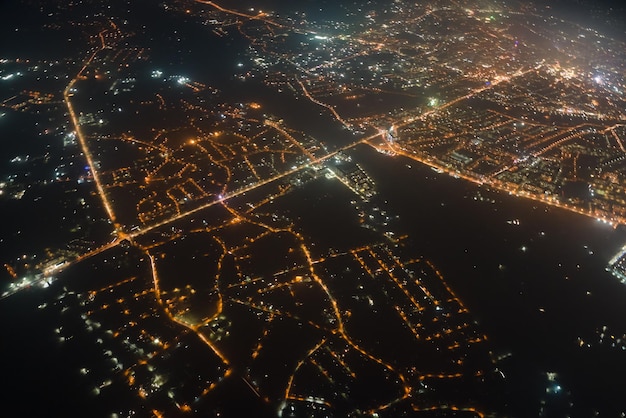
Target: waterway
x,y
533,276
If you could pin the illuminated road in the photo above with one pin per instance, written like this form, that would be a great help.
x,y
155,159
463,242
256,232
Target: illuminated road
x,y
257,267
79,134
226,196
618,139
67,94
120,235
260,16
317,102
48,272
289,137
395,148
498,80
250,187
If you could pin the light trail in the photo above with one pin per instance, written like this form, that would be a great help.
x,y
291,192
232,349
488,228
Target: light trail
x,y
9,99
256,392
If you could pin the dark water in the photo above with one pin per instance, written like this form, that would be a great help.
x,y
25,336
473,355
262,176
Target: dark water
x,y
534,287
